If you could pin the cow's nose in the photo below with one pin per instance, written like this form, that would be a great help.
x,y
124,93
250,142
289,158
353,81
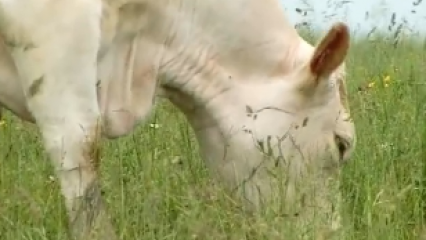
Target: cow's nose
x,y
344,145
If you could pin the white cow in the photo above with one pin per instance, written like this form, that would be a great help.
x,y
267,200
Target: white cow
x,y
263,103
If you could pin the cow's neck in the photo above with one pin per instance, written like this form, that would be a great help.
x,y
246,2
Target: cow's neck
x,y
201,84
207,92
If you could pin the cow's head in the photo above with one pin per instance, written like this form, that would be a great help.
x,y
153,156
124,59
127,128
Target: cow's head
x,y
278,133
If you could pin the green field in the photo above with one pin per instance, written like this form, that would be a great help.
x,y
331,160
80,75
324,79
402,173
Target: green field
x,y
157,187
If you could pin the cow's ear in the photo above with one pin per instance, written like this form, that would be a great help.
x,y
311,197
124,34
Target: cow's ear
x,y
330,52
328,55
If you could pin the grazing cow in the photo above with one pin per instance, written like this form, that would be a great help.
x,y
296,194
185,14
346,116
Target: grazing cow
x,y
262,101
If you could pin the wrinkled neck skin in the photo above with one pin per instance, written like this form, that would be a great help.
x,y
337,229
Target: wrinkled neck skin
x,y
206,106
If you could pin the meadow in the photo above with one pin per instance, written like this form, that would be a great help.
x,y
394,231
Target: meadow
x,y
157,187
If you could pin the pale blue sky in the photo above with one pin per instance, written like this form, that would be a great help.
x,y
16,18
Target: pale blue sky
x,y
354,13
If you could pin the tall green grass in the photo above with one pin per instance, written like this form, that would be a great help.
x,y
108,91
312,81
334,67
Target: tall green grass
x,y
157,187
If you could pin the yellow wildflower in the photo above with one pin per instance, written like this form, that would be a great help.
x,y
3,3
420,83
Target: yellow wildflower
x,y
371,84
2,122
386,79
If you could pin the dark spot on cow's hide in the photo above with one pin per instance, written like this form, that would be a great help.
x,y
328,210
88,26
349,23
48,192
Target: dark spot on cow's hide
x,y
305,122
28,47
35,87
23,46
249,109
